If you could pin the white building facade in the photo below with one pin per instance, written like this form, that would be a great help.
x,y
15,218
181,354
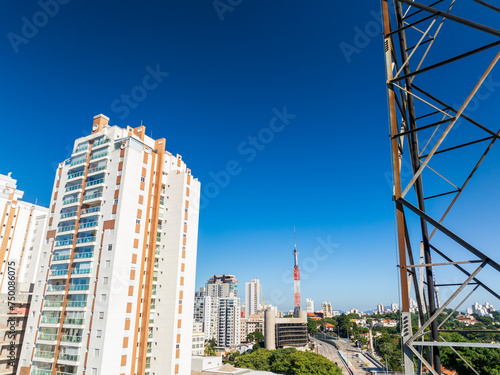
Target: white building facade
x,y
252,297
309,305
118,263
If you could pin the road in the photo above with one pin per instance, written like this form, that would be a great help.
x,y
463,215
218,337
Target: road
x,y
362,363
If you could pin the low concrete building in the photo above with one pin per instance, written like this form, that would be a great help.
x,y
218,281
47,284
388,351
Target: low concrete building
x,y
254,322
285,332
198,343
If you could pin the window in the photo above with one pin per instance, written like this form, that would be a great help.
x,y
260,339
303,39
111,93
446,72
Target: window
x,y
98,333
143,179
107,264
105,280
110,247
137,221
101,315
103,298
116,201
96,352
94,371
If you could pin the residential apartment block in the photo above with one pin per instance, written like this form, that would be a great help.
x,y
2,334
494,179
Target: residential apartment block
x,y
252,297
22,228
117,270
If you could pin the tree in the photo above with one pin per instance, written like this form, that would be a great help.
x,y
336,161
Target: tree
x,y
256,336
210,347
311,326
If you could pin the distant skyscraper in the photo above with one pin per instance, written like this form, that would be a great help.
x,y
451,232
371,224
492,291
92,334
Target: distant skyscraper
x,y
326,307
116,277
380,308
310,305
394,307
252,297
222,286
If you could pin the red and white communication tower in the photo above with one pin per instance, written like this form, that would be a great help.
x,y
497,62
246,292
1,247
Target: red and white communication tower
x,y
296,277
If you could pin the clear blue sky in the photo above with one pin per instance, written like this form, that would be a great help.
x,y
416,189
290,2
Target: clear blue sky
x,y
233,73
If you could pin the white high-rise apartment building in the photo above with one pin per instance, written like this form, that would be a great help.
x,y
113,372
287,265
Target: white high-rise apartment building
x,y
380,308
22,231
222,286
252,297
394,307
117,272
229,322
309,305
326,307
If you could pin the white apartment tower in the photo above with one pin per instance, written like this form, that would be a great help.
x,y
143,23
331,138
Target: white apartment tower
x,y
229,322
22,229
252,297
117,272
309,305
326,307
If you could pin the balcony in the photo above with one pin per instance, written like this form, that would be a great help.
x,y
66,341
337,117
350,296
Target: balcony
x,y
77,304
93,196
71,201
95,182
39,371
65,373
79,271
47,336
50,320
96,169
100,142
52,304
90,210
85,239
58,273
56,258
68,214
71,339
75,175
77,162
78,322
55,288
66,229
72,188
77,287
89,224
63,243
86,255
69,357
81,149
44,354
99,155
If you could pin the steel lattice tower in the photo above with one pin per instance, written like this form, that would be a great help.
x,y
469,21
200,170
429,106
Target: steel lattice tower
x,y
425,45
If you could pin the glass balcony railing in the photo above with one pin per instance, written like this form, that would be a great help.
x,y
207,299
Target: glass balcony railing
x,y
85,240
95,182
76,304
58,272
88,254
79,271
76,162
71,188
44,354
68,214
64,243
68,338
47,336
39,371
55,288
74,175
79,287
96,195
65,373
55,258
99,155
96,169
69,357
81,148
53,304
89,224
100,142
65,229
90,210
71,201
74,321
50,320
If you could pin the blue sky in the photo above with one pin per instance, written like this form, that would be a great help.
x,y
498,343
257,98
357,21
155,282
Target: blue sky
x,y
276,72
